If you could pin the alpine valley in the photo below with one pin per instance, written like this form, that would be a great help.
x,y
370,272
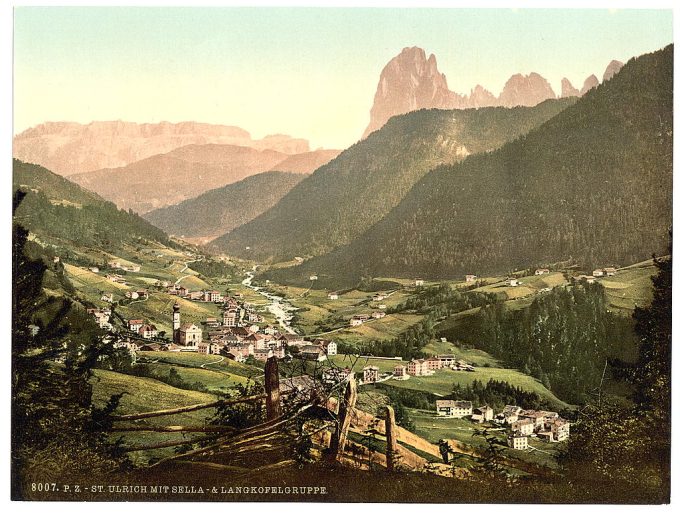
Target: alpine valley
x,y
472,300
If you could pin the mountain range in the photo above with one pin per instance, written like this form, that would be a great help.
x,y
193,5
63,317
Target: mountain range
x,y
186,172
593,184
68,148
343,198
412,81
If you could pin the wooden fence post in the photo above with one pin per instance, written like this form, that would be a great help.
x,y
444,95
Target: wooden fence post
x,y
391,436
271,387
346,406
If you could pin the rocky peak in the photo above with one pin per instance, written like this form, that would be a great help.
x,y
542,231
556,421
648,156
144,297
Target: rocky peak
x,y
410,81
590,83
527,90
481,97
612,69
568,90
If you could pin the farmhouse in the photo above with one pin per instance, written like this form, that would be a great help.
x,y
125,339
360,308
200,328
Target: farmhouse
x,y
509,415
333,296
598,273
541,271
524,427
454,409
513,282
518,441
609,271
134,324
417,367
371,374
418,282
378,314
147,331
400,373
482,414
470,278
312,353
328,346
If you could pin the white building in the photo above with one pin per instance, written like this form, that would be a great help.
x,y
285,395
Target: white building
x,y
454,409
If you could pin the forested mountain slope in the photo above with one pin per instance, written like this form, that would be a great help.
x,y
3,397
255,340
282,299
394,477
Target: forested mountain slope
x,y
58,210
594,184
219,211
342,199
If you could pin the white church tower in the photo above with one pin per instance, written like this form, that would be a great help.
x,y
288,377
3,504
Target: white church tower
x,y
175,322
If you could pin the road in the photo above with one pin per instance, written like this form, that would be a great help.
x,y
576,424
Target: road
x,y
220,360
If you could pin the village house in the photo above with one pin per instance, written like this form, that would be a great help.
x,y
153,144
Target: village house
x,y
291,339
509,415
447,360
454,409
312,353
150,347
382,306
378,314
538,417
147,331
270,329
378,297
513,282
482,414
256,340
597,273
94,269
328,346
190,335
541,271
358,320
518,441
401,373
470,278
107,297
230,318
609,271
371,374
523,427
417,367
182,291
333,296
211,322
418,282
433,363
134,324
335,375
212,296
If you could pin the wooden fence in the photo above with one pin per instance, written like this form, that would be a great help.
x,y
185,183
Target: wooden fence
x,y
275,418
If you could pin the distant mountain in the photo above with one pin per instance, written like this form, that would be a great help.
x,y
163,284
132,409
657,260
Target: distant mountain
x,y
568,90
343,198
593,184
526,90
69,148
305,162
186,172
218,211
62,213
411,81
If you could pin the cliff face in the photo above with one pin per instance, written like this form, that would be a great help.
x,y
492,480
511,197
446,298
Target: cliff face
x,y
68,148
411,81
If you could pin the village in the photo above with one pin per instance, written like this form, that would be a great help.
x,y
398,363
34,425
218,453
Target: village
x,y
240,333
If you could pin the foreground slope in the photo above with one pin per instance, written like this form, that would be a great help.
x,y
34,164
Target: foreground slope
x,y
63,213
219,211
342,199
593,184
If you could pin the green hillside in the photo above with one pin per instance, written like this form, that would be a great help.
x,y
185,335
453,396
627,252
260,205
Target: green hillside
x,y
342,199
219,211
64,213
592,185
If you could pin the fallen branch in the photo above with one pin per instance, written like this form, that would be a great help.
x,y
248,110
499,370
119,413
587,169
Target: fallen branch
x,y
173,429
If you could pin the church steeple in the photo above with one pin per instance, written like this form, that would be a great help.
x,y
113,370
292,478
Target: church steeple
x,y
175,322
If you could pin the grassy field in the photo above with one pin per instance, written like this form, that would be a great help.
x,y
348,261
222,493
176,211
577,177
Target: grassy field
x,y
196,360
630,287
442,381
433,428
144,394
475,357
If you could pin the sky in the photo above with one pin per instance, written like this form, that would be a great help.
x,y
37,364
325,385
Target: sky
x,y
307,72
